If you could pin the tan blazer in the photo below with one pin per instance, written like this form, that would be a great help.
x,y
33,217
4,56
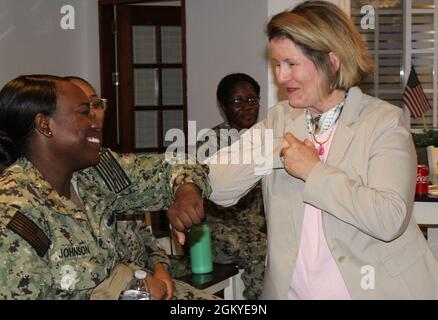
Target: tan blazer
x,y
366,191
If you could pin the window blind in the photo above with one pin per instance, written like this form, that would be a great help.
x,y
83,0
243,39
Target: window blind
x,y
405,33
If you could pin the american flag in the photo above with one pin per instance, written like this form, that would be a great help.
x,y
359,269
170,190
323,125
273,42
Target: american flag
x,y
414,96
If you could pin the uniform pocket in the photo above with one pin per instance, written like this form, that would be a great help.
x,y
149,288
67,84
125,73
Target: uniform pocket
x,y
76,268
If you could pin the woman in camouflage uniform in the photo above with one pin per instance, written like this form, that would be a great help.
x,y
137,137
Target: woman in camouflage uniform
x,y
58,235
237,232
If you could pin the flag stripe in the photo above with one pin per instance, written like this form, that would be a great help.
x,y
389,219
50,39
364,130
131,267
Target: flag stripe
x,y
415,101
409,99
414,97
419,96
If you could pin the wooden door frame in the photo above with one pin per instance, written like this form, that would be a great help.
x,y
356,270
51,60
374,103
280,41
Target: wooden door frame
x,y
108,66
126,75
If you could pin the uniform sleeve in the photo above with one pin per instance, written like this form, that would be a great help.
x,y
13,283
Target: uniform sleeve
x,y
23,274
156,254
154,181
138,245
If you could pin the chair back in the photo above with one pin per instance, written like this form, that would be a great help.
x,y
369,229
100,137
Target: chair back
x,y
432,159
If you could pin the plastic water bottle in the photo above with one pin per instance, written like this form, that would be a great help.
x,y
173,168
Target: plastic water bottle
x,y
200,249
138,288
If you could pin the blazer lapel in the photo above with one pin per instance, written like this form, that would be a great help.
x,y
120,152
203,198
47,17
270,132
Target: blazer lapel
x,y
341,141
344,132
298,124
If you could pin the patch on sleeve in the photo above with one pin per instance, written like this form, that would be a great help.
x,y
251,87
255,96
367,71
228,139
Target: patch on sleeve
x,y
29,231
112,173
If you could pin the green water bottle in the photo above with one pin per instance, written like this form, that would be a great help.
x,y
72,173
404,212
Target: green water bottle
x,y
200,249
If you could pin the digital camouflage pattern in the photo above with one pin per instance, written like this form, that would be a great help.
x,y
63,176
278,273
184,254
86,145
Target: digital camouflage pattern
x,y
138,241
240,240
85,245
235,231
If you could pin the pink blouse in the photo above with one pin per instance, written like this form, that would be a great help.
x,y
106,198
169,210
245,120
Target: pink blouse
x,y
316,274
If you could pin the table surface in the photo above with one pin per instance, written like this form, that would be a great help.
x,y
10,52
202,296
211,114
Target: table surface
x,y
425,210
426,198
220,273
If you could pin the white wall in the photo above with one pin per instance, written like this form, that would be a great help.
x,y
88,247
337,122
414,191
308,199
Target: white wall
x,y
223,36
32,40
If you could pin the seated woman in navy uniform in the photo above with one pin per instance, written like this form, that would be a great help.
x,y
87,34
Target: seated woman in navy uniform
x,y
59,196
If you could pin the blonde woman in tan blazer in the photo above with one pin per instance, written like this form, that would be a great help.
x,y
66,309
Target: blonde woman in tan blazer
x,y
339,208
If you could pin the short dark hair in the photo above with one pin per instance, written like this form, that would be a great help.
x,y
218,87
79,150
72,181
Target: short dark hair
x,y
21,99
73,78
227,84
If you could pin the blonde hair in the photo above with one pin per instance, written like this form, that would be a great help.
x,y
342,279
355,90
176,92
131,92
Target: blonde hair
x,y
318,28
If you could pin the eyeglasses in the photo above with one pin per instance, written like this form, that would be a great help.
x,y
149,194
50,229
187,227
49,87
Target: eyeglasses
x,y
239,102
99,103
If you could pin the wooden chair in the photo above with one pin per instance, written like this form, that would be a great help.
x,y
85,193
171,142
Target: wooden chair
x,y
160,228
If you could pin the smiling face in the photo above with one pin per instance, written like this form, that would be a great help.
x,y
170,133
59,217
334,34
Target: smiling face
x,y
298,74
306,86
242,115
76,140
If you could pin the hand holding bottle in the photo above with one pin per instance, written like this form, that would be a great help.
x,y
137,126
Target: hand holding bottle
x,y
138,288
188,208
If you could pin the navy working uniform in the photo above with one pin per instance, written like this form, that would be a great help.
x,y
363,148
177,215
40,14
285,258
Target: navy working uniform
x,y
51,249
